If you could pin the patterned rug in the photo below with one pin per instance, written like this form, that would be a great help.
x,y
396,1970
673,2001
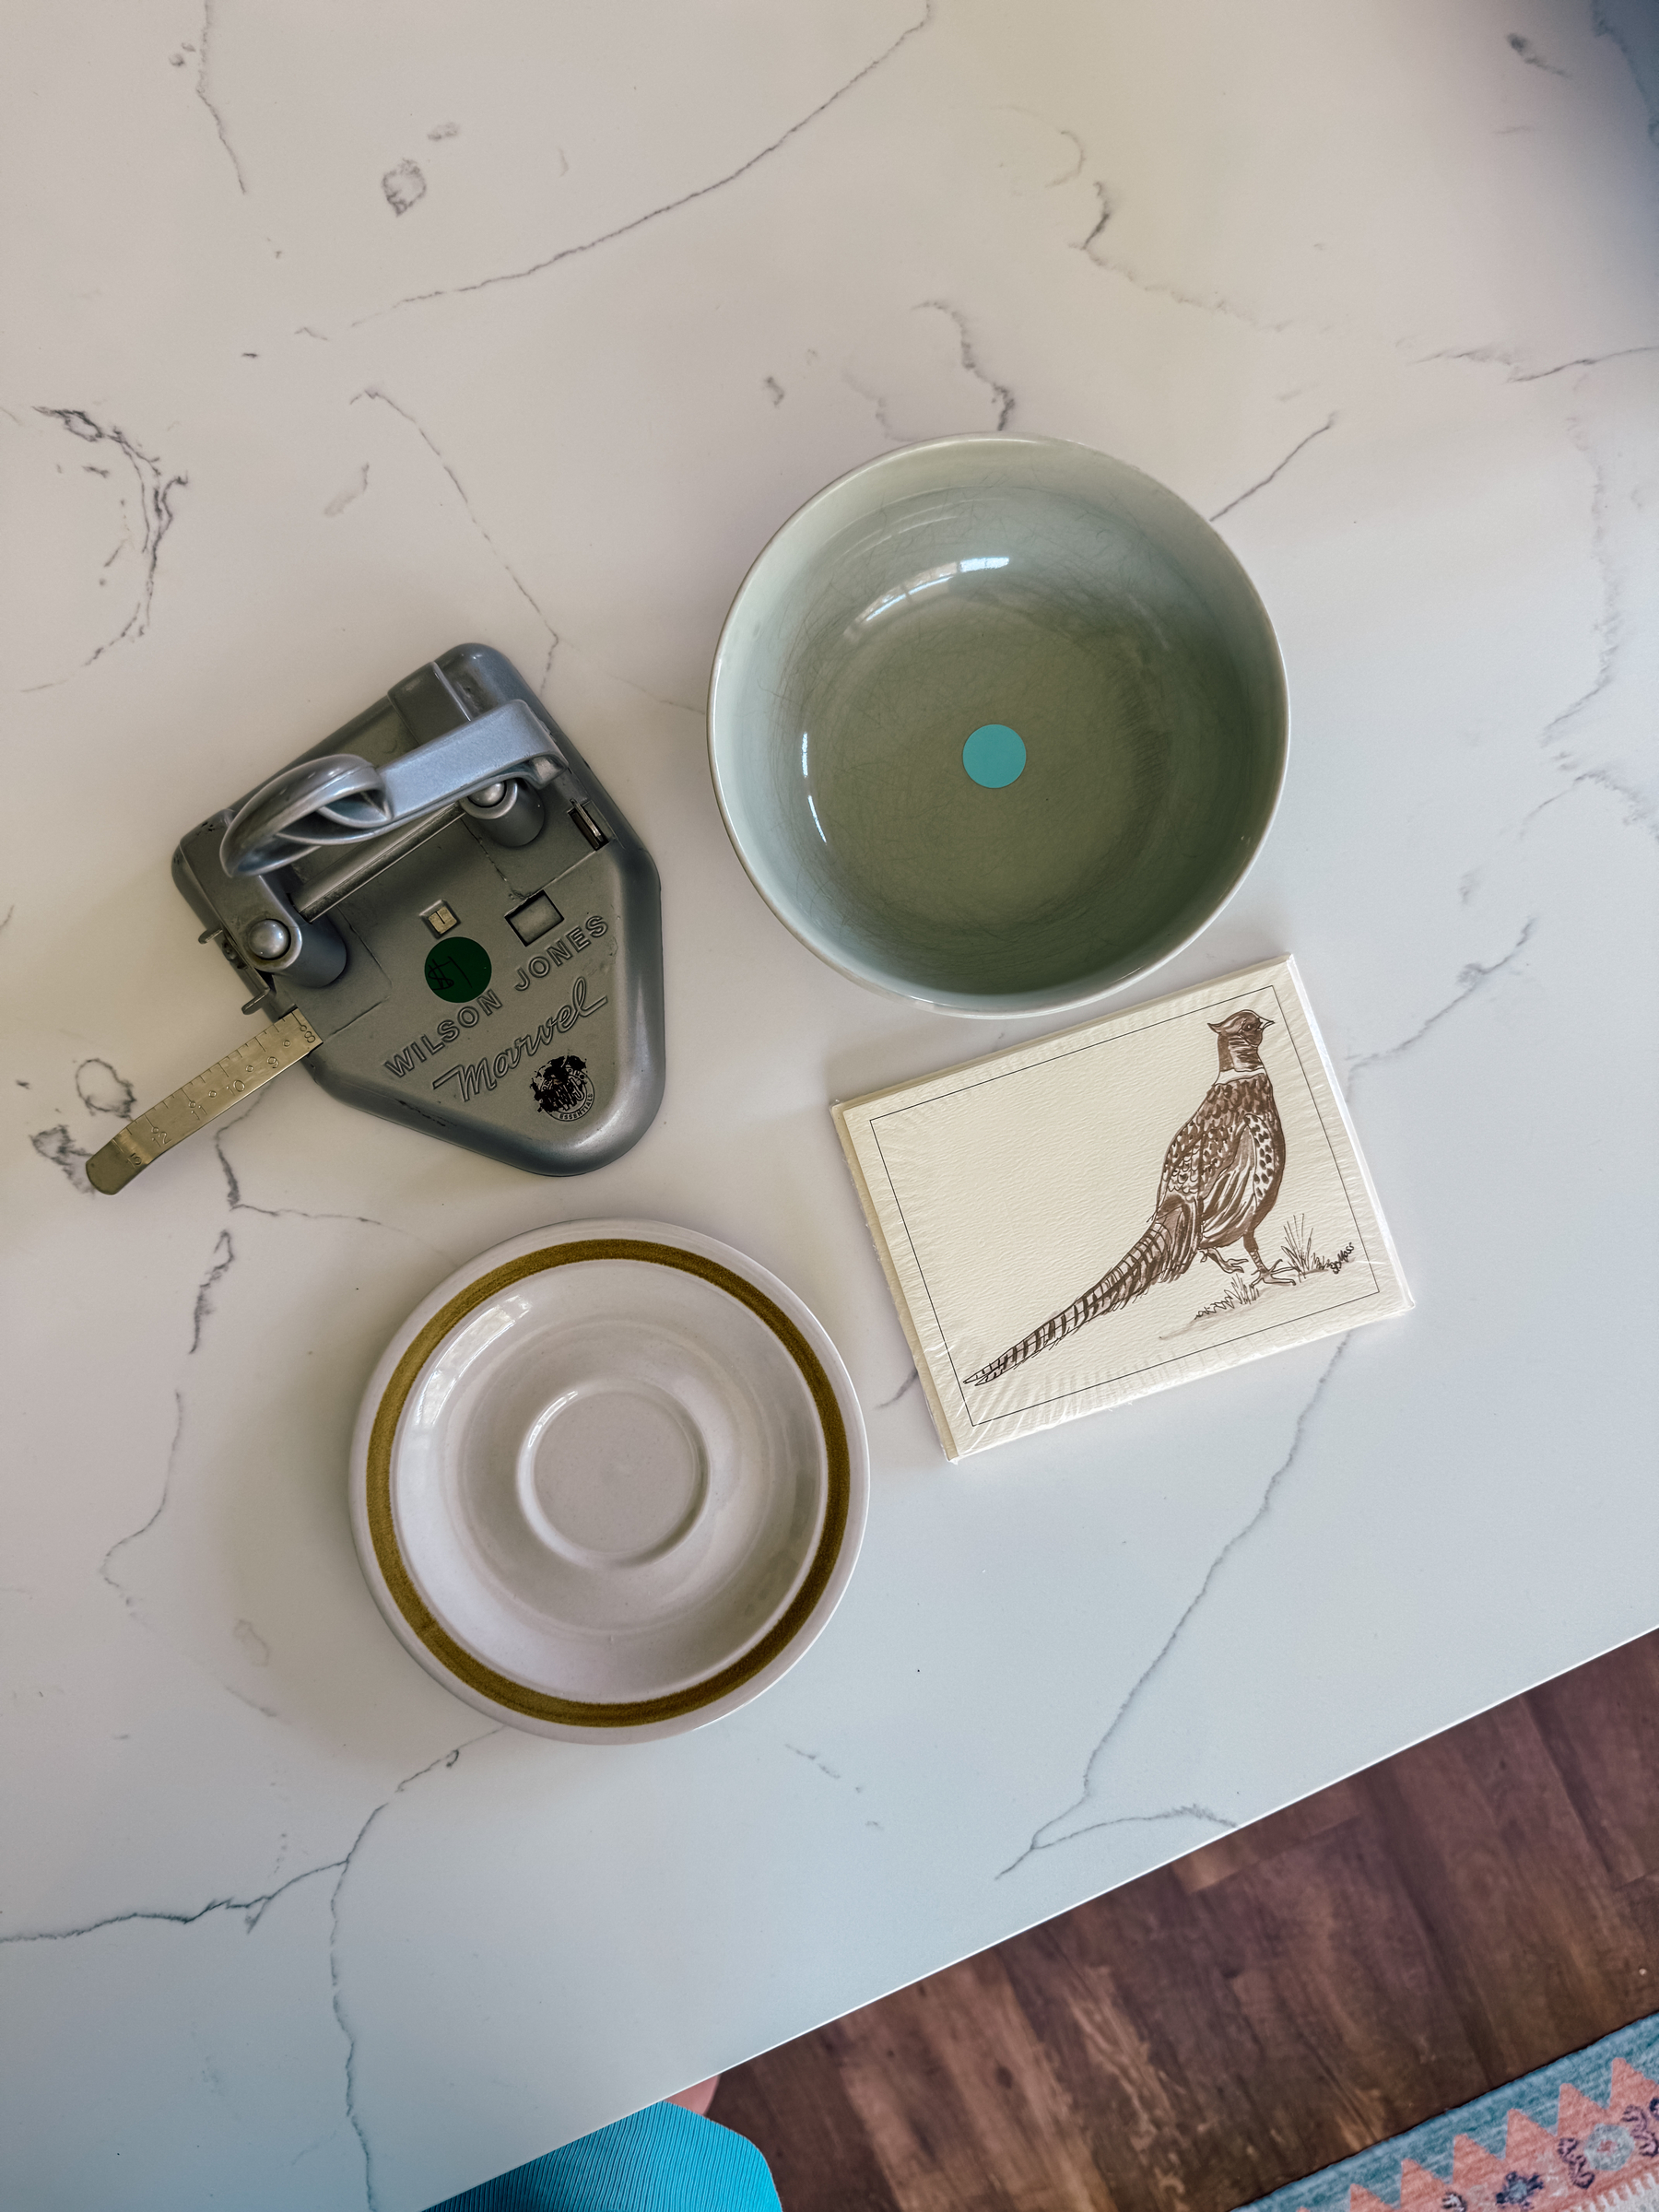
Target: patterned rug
x,y
1538,2145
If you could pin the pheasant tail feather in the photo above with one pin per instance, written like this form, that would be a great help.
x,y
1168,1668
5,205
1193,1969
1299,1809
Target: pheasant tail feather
x,y
1165,1251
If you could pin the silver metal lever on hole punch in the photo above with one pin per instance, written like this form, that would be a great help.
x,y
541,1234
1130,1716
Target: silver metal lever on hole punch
x,y
495,766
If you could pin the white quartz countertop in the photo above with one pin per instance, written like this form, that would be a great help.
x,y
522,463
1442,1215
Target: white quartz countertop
x,y
337,335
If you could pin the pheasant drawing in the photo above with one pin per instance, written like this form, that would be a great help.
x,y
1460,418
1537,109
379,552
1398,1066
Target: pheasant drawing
x,y
1222,1176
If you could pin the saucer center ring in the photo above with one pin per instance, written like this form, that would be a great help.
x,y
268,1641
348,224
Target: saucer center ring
x,y
612,1474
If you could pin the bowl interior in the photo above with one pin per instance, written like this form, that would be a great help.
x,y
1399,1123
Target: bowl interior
x,y
962,591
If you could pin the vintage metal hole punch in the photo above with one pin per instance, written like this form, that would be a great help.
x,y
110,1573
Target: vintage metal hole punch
x,y
442,914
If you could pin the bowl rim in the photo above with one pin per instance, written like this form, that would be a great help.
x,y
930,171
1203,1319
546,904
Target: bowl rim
x,y
725,1257
1013,1005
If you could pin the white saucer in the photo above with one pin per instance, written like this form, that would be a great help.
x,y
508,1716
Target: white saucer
x,y
609,1481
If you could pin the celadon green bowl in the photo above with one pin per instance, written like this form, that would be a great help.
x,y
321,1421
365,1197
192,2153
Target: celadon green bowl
x,y
996,723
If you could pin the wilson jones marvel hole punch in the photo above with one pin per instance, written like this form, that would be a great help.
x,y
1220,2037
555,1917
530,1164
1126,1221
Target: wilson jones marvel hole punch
x,y
439,911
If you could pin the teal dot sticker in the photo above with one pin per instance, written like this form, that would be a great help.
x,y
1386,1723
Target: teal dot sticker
x,y
457,970
994,755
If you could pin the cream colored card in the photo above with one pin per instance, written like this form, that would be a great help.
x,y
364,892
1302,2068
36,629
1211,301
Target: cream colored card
x,y
1122,1206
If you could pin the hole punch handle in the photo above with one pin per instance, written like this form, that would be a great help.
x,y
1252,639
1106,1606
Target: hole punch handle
x,y
342,798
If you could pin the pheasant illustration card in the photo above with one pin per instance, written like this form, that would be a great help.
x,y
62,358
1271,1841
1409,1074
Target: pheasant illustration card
x,y
1120,1207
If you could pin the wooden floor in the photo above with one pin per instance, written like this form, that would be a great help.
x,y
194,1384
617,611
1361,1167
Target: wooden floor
x,y
1290,1993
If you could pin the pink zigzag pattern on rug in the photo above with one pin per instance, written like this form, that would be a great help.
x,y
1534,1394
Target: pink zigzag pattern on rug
x,y
1605,2156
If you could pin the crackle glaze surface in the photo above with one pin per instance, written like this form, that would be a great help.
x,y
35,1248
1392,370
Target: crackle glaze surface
x,y
329,348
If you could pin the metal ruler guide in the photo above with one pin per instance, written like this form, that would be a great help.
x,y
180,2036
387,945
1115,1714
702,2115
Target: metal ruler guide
x,y
203,1099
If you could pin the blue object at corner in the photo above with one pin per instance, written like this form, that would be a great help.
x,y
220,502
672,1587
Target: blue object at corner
x,y
662,2160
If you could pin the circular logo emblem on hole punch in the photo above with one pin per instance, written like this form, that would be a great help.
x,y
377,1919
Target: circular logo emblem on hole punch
x,y
457,970
995,756
563,1089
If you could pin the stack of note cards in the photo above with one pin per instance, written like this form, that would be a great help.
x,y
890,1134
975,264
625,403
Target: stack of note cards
x,y
1126,1205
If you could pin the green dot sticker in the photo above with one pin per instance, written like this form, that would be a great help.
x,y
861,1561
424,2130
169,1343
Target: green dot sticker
x,y
457,970
994,755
